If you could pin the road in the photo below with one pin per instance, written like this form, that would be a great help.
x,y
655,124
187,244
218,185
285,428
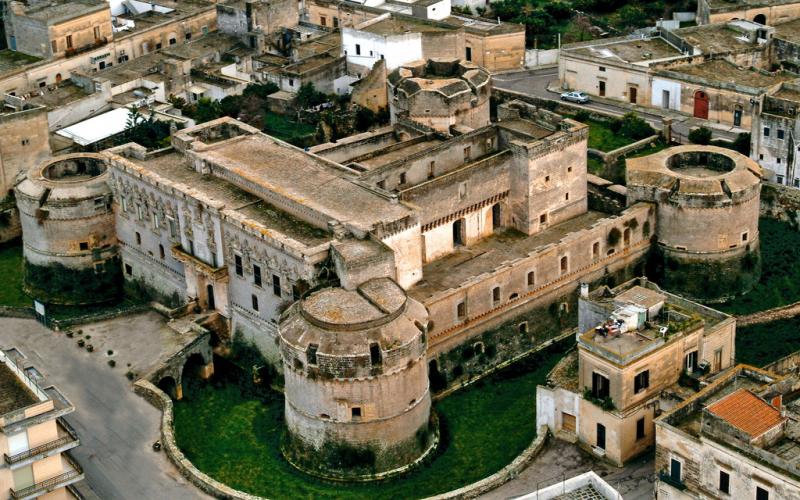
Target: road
x,y
535,82
116,427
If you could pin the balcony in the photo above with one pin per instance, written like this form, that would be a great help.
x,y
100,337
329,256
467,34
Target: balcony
x,y
67,439
72,474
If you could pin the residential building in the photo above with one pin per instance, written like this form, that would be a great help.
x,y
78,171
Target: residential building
x,y
736,438
35,439
776,134
759,11
637,347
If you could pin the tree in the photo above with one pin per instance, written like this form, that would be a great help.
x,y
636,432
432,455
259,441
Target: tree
x,y
700,135
308,96
742,143
206,110
149,132
634,127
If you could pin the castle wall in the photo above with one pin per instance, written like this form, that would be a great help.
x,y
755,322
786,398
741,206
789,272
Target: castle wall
x,y
24,142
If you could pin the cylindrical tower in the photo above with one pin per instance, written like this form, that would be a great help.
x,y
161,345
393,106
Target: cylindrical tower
x,y
358,404
707,202
69,239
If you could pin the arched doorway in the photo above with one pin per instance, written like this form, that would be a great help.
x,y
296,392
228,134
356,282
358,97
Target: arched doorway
x,y
701,105
169,386
760,19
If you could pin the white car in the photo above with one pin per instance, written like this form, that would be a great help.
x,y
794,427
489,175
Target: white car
x,y
578,97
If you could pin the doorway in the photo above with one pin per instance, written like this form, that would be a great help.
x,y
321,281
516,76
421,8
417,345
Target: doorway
x,y
601,436
602,88
737,116
665,99
760,19
210,292
458,233
701,105
632,94
495,216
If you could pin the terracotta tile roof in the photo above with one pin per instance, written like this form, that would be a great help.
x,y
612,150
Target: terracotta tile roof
x,y
747,412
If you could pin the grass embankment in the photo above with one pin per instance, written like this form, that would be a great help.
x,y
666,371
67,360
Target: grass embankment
x,y
767,342
484,427
11,293
780,272
287,130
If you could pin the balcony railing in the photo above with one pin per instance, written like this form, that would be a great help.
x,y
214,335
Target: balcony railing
x,y
70,476
69,438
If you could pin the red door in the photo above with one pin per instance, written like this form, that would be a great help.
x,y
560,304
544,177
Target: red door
x,y
701,105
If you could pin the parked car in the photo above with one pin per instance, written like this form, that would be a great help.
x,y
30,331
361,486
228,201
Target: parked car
x,y
578,97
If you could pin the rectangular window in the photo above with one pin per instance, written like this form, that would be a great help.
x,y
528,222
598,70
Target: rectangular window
x,y
97,32
496,294
641,382
675,472
766,131
128,270
595,250
84,245
323,21
761,493
335,22
138,238
402,178
431,168
156,221
54,46
173,227
254,300
724,482
237,264
602,68
467,153
256,275
640,429
469,54
690,362
601,388
69,41
780,134
461,310
311,354
161,252
276,285
355,412
358,49
139,212
531,278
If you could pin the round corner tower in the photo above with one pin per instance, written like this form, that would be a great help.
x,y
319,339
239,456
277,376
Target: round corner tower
x,y
68,232
707,202
441,93
358,404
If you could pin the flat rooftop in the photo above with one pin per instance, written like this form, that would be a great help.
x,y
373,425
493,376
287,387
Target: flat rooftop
x,y
13,393
305,179
10,60
715,38
177,10
66,92
507,245
721,71
789,31
62,10
629,51
485,26
729,5
400,153
395,26
176,168
788,94
525,128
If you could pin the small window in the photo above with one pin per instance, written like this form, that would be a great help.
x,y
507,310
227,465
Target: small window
x,y
547,178
564,264
496,294
188,36
83,245
375,356
766,131
461,310
780,134
99,267
602,68
531,278
778,160
256,275
543,219
724,482
431,168
566,196
161,252
237,264
641,381
54,46
25,142
69,41
173,41
382,184
402,178
744,236
254,301
355,412
276,285
97,32
595,250
128,270
139,212
138,238
467,153
191,246
640,429
523,327
311,354
173,227
762,493
358,53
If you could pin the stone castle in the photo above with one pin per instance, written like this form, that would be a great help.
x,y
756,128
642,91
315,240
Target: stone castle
x,y
436,246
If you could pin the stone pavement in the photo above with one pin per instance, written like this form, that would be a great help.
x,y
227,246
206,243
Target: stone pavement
x,y
116,427
561,460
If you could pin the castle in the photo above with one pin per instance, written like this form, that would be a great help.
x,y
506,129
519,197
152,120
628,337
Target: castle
x,y
443,242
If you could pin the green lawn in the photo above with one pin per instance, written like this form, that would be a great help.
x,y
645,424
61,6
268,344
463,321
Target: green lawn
x,y
601,136
767,342
484,427
780,272
11,270
287,130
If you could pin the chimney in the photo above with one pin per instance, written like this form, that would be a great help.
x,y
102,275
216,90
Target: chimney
x,y
584,290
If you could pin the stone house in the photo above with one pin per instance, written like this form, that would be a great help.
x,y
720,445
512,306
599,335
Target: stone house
x,y
736,438
760,11
24,139
776,131
635,342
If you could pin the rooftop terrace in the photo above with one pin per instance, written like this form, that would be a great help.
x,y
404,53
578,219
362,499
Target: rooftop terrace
x,y
789,31
716,38
14,395
719,71
628,51
62,10
10,60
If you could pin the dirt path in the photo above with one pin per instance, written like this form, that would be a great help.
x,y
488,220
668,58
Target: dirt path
x,y
782,312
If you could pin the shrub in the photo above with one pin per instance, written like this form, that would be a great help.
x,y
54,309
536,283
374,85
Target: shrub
x,y
90,348
582,116
635,128
110,352
700,135
81,343
112,363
